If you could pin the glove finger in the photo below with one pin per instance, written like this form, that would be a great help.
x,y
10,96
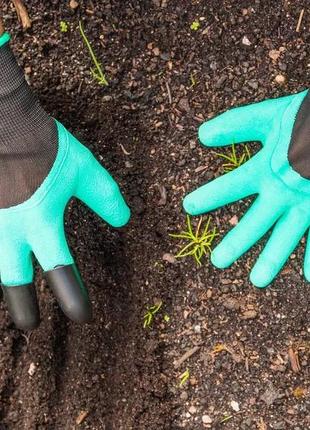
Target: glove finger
x,y
226,189
241,124
285,236
98,190
253,225
53,254
18,292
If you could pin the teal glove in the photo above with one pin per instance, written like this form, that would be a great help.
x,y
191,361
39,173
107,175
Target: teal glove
x,y
42,167
279,174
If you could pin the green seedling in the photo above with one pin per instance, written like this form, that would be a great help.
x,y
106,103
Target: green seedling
x,y
226,418
233,160
150,313
183,378
64,26
199,243
193,80
96,71
166,318
195,25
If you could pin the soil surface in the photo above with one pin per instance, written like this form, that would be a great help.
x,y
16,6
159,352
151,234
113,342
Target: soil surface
x,y
250,349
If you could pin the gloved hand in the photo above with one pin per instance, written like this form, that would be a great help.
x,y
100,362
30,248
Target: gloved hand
x,y
41,167
279,174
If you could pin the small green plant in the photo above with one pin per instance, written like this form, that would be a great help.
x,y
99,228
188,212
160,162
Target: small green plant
x,y
234,160
226,418
96,71
193,80
166,318
183,378
195,25
199,243
64,26
150,312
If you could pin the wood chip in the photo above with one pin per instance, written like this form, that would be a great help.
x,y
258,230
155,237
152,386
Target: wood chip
x,y
249,314
163,195
294,360
168,92
186,356
81,417
22,14
262,425
300,20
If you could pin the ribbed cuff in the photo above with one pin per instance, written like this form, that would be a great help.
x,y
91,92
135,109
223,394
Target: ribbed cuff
x,y
4,39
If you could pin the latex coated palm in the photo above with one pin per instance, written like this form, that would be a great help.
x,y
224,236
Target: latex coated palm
x,y
279,174
42,167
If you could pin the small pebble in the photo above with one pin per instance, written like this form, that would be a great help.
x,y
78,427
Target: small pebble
x,y
280,79
192,410
184,395
235,406
246,41
73,4
170,258
206,419
197,329
32,369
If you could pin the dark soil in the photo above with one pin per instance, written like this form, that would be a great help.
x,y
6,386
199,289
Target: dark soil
x,y
122,375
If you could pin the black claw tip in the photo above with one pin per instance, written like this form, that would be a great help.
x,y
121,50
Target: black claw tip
x,y
67,285
23,306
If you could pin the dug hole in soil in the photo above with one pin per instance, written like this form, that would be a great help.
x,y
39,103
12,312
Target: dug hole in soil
x,y
248,363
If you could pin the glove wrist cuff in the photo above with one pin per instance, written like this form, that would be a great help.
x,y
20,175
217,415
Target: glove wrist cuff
x,y
4,38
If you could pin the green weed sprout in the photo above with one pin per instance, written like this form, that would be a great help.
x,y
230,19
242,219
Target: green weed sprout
x,y
234,160
199,244
193,80
184,377
166,318
149,316
195,25
96,71
63,26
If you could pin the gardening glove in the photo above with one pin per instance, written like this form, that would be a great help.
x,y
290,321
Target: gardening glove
x,y
42,167
279,174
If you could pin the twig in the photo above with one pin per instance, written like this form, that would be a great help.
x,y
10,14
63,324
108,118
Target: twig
x,y
293,357
169,92
1,27
300,20
22,14
186,356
